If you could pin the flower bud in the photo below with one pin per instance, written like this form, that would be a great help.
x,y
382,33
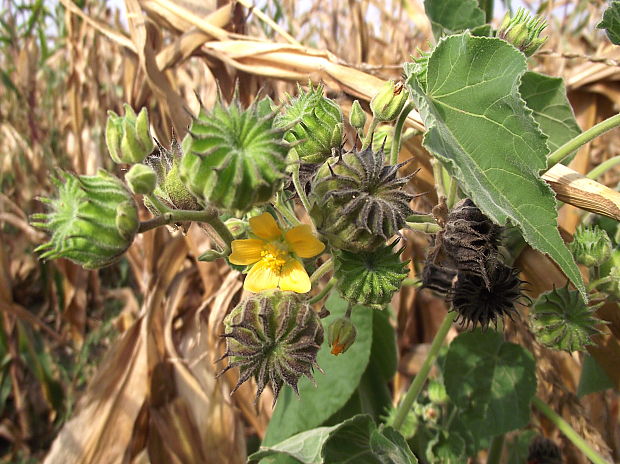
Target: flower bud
x,y
92,222
128,137
591,246
341,335
314,125
437,392
357,116
523,31
141,179
389,102
610,269
237,227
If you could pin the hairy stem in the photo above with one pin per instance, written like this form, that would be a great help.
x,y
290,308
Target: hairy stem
x,y
398,132
371,130
322,270
426,227
583,138
418,382
285,211
568,431
603,167
495,450
323,293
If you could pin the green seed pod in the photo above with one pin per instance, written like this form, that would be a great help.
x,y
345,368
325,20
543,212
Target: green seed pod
x,y
317,124
523,31
387,104
273,336
437,392
234,159
562,321
357,116
610,269
93,221
341,335
591,246
128,137
357,203
141,179
369,278
237,227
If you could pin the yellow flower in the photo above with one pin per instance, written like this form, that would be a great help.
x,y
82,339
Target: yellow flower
x,y
273,255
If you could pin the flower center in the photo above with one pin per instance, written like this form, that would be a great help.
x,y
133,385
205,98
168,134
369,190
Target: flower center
x,y
274,257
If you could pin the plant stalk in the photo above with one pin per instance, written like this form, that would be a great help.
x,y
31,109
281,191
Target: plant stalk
x,y
323,293
322,270
398,132
568,431
583,138
495,450
374,122
418,382
426,227
603,167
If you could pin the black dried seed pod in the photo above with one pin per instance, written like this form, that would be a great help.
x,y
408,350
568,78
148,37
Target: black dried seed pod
x,y
478,304
358,203
274,337
470,239
437,278
544,451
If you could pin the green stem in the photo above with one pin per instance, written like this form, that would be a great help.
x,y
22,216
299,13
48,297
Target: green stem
x,y
374,122
408,282
583,138
319,296
426,227
595,283
495,450
285,211
156,202
398,132
418,382
487,7
568,431
155,222
452,189
438,176
322,270
301,193
603,167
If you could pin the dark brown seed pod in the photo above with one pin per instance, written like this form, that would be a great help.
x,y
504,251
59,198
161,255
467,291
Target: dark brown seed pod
x,y
274,337
544,451
476,303
437,278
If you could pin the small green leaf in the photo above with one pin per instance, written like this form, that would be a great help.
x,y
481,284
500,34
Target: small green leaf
x,y
334,388
611,22
390,447
491,381
546,97
479,127
305,446
593,377
450,16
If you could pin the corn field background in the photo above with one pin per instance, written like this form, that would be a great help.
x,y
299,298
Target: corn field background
x,y
118,365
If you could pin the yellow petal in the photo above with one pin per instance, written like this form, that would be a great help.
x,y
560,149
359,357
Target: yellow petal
x,y
294,277
246,252
261,277
303,242
265,226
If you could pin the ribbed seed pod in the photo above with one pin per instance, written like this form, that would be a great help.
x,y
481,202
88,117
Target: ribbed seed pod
x,y
357,202
317,124
234,159
369,278
274,337
591,246
476,303
544,451
562,321
93,221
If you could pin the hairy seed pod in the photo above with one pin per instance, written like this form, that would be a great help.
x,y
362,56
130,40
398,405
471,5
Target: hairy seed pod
x,y
141,179
317,124
341,335
562,321
369,278
357,203
544,451
591,246
476,303
92,222
234,159
128,137
273,336
437,278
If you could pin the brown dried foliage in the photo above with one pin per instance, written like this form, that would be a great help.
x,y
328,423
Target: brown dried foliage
x,y
154,397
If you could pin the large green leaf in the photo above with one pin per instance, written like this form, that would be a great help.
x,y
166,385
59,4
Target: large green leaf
x,y
356,440
491,381
449,16
334,388
611,22
480,128
546,97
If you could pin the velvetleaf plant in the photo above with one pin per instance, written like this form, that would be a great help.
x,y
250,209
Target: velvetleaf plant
x,y
254,174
